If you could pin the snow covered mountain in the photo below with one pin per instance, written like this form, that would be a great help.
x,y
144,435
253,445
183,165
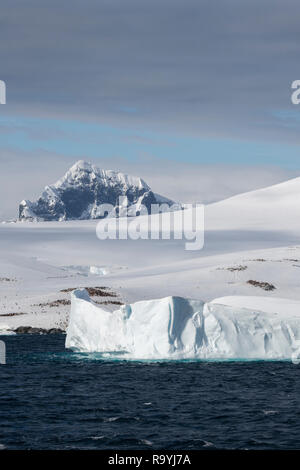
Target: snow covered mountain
x,y
81,191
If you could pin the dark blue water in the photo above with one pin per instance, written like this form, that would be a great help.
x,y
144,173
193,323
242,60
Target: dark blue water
x,y
53,399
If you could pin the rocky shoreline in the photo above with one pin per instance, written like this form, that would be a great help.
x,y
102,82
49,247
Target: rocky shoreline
x,y
21,330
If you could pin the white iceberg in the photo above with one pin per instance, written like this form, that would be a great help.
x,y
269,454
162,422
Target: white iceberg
x,y
179,328
99,271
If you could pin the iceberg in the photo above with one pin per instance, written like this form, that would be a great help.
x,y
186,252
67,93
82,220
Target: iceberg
x,y
179,328
98,270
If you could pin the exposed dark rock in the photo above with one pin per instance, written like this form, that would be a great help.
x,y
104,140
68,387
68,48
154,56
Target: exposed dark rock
x,y
13,314
54,303
94,291
237,268
37,331
108,302
263,285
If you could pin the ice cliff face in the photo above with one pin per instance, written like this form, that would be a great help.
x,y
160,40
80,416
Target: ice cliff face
x,y
178,328
79,194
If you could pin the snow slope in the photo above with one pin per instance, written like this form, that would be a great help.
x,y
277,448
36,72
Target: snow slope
x,y
254,236
179,328
272,208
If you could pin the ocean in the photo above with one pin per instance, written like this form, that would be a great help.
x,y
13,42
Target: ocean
x,y
51,398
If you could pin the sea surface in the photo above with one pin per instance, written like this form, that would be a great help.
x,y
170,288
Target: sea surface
x,y
51,398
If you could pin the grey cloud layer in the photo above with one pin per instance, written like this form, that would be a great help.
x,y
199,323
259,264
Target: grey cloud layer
x,y
212,68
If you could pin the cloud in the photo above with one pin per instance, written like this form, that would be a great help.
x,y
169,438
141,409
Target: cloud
x,y
203,68
149,69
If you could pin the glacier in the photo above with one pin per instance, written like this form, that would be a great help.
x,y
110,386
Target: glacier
x,y
176,328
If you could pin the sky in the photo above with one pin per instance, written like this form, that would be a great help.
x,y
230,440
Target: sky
x,y
194,96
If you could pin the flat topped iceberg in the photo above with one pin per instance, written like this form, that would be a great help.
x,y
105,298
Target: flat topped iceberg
x,y
179,328
161,328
